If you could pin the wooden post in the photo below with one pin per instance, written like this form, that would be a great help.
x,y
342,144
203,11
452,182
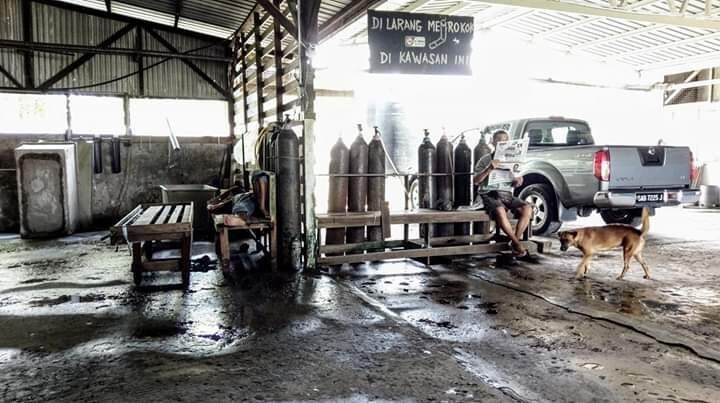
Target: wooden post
x,y
308,17
258,69
278,68
140,60
243,77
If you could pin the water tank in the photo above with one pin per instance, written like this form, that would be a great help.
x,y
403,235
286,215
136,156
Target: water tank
x,y
47,189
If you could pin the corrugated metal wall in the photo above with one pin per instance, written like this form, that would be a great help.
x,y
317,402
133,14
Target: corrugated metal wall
x,y
11,28
172,78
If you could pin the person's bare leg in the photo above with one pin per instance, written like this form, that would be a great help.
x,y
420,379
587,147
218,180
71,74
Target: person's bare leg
x,y
503,222
524,215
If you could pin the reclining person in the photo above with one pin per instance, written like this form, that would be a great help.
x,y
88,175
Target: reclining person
x,y
244,205
498,201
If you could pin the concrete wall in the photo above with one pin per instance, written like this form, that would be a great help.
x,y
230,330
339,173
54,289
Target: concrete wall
x,y
145,166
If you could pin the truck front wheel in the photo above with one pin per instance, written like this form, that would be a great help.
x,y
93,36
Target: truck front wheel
x,y
542,198
627,216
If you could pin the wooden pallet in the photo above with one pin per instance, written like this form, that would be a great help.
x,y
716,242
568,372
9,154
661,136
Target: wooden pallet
x,y
149,223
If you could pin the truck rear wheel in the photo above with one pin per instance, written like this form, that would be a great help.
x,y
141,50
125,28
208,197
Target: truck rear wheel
x,y
631,217
542,198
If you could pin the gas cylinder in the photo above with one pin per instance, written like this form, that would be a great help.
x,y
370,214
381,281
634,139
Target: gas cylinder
x,y
463,162
426,182
444,183
481,149
376,184
357,189
287,170
338,189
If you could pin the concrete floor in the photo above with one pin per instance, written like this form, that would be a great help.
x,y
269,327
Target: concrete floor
x,y
74,328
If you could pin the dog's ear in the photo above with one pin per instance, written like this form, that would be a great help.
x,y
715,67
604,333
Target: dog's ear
x,y
571,234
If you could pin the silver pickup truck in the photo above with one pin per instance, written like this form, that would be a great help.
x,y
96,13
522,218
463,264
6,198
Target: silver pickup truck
x,y
566,175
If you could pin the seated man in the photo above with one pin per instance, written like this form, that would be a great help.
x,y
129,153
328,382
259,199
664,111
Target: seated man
x,y
246,204
497,201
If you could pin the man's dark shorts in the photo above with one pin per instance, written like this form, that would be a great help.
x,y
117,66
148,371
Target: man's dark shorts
x,y
494,199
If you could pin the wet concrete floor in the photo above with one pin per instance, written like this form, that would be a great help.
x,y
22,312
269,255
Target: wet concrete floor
x,y
74,328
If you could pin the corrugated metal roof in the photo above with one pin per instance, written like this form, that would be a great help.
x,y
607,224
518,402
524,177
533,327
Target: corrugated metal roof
x,y
642,45
218,18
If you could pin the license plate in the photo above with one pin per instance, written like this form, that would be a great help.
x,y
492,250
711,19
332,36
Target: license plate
x,y
650,197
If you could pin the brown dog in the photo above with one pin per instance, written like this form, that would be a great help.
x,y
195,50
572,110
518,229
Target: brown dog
x,y
595,239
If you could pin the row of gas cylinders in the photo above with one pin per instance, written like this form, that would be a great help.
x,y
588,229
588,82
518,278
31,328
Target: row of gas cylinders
x,y
357,181
364,185
445,178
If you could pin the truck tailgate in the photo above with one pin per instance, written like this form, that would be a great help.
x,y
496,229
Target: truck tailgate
x,y
649,167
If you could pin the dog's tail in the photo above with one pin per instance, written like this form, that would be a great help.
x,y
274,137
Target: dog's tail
x,y
645,222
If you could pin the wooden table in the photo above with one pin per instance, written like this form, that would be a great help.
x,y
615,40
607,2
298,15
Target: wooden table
x,y
424,248
149,223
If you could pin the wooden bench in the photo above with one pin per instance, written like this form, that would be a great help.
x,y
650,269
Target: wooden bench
x,y
149,223
410,248
266,229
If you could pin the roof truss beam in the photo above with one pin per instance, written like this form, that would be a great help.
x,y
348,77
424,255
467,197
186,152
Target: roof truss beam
x,y
84,58
279,17
108,6
10,77
190,64
349,14
678,90
178,10
575,8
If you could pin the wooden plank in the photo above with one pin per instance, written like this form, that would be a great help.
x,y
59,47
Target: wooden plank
x,y
130,216
361,246
455,239
423,216
157,230
224,249
177,210
386,220
116,232
424,252
148,216
162,217
187,214
171,236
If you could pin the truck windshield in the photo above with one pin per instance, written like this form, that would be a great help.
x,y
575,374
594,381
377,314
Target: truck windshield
x,y
558,133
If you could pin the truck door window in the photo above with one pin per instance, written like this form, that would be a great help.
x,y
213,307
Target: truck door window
x,y
554,133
